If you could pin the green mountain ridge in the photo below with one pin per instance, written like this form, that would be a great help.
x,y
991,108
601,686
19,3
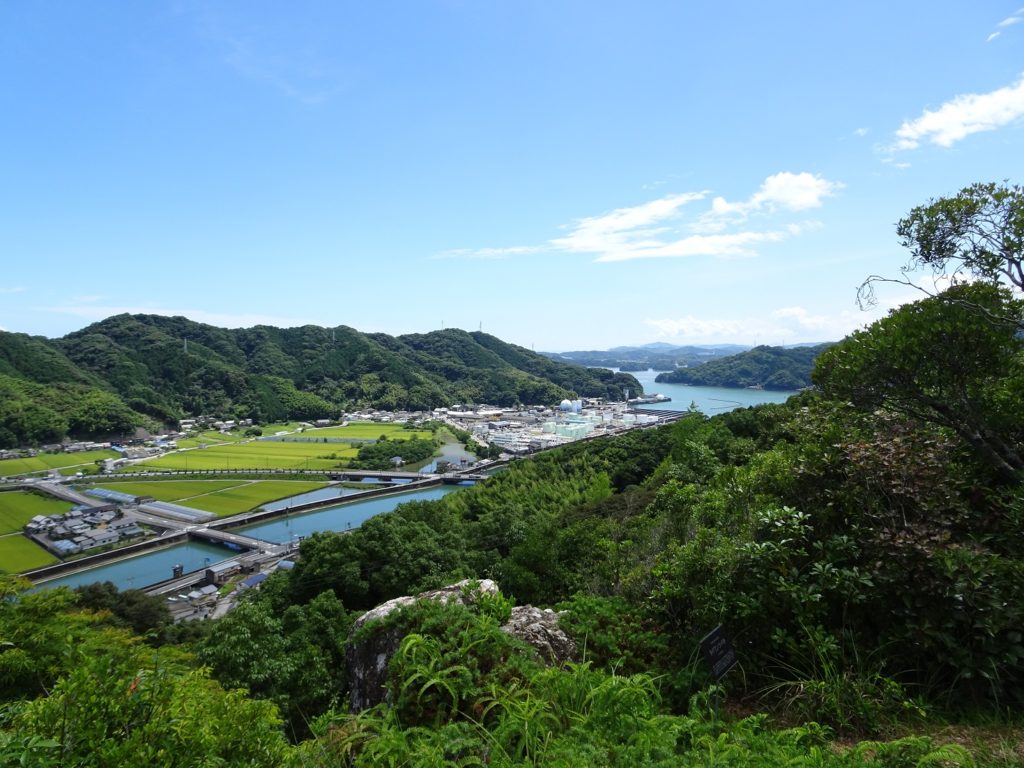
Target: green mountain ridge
x,y
779,368
135,369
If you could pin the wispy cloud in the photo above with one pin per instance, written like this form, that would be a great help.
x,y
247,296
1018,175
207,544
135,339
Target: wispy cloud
x,y
658,228
299,67
784,191
962,116
12,290
91,311
1015,18
787,325
489,254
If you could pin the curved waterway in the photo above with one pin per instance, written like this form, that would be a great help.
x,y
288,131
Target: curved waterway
x,y
709,400
343,517
151,567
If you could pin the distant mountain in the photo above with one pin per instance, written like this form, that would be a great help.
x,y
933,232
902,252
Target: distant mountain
x,y
658,355
779,368
128,369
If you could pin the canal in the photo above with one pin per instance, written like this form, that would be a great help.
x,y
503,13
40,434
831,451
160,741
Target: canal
x,y
150,567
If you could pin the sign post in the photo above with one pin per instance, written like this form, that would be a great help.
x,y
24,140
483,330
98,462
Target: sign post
x,y
718,652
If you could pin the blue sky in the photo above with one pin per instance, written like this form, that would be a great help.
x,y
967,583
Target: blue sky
x,y
567,175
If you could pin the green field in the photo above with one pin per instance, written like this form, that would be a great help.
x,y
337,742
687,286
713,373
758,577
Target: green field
x,y
257,454
243,498
18,507
45,461
222,497
19,554
210,437
367,430
171,490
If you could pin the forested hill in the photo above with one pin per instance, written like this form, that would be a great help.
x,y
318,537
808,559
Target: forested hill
x,y
768,367
164,368
659,356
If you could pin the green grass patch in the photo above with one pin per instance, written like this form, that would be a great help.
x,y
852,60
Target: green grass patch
x,y
279,426
210,437
18,507
47,461
172,490
368,430
257,454
243,498
19,554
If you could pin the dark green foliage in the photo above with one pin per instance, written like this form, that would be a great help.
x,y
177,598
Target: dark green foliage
x,y
295,659
35,414
379,455
956,360
776,368
142,613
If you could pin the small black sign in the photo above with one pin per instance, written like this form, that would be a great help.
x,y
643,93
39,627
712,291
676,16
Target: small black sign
x,y
718,651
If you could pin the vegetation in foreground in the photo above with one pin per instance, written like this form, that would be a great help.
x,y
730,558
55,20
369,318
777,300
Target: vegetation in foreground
x,y
862,545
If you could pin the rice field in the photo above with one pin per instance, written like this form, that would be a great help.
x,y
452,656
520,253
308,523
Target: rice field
x,y
171,490
222,497
19,554
367,430
257,454
210,437
244,498
18,507
47,461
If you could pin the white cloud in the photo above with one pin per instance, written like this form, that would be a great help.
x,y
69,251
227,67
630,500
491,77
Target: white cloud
x,y
784,191
12,290
624,227
962,116
1015,18
736,244
488,254
861,132
692,327
221,319
803,318
656,229
788,325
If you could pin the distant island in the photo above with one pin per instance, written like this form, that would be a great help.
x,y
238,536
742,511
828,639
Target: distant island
x,y
763,367
658,356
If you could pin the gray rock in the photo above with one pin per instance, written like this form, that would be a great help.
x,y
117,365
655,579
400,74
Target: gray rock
x,y
540,629
368,659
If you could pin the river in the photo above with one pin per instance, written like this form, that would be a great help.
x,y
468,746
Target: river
x,y
150,567
709,400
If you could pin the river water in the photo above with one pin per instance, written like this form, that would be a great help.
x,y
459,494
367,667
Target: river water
x,y
151,567
709,400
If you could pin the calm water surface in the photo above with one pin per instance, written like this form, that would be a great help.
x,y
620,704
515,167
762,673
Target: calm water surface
x,y
151,567
709,400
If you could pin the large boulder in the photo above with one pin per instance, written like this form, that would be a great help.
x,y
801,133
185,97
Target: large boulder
x,y
367,659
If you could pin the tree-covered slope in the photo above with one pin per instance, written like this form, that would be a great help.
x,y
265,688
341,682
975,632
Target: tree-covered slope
x,y
779,368
166,368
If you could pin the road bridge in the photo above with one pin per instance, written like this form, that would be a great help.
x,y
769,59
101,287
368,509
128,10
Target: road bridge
x,y
63,493
233,540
